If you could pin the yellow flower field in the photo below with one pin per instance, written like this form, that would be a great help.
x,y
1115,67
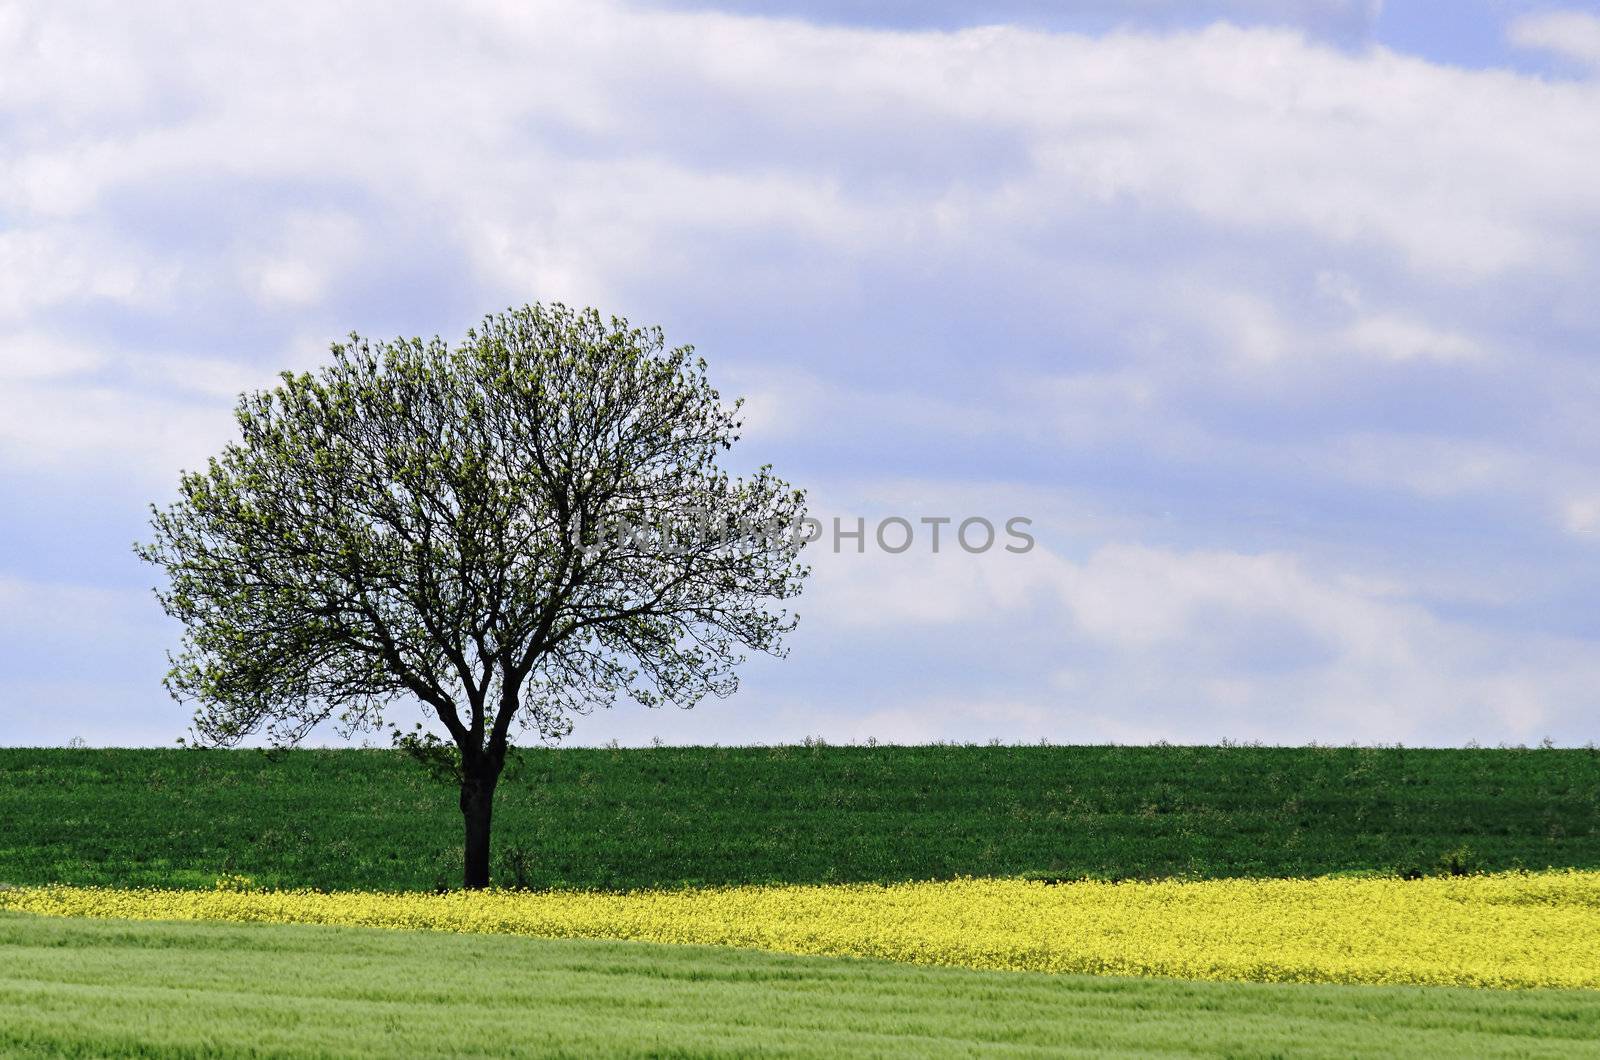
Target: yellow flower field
x,y
1503,930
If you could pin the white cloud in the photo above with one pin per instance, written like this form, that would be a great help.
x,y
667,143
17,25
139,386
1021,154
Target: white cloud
x,y
108,430
1571,34
876,590
1396,338
208,377
289,281
789,404
310,248
1182,249
560,175
46,267
1250,129
40,356
1247,325
1430,466
88,612
1204,645
1580,516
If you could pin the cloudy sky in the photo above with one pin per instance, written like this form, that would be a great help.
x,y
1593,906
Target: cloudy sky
x,y
1277,318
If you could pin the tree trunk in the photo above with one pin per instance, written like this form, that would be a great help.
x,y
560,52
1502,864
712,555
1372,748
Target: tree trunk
x,y
477,806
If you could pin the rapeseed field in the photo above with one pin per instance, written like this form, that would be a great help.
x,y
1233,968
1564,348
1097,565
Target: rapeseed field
x,y
1511,930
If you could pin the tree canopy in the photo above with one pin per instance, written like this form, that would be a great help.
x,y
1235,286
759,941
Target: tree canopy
x,y
512,531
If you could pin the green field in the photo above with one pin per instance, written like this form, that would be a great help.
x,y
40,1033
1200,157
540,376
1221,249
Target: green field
x,y
672,816
99,988
669,816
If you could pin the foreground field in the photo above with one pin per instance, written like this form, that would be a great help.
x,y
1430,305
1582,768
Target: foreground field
x,y
97,988
1514,930
682,816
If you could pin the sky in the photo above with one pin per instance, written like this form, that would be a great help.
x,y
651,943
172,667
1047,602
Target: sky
x,y
1278,319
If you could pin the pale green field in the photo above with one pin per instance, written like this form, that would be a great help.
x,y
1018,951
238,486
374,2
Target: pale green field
x,y
95,988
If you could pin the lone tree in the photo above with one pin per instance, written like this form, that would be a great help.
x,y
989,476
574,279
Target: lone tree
x,y
512,531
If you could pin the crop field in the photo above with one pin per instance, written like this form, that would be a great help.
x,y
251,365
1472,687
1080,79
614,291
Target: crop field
x,y
108,988
609,819
944,900
1511,930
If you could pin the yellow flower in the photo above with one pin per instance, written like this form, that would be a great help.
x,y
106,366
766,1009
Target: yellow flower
x,y
1502,930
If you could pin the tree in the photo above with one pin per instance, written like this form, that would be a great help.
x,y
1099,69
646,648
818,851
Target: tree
x,y
513,532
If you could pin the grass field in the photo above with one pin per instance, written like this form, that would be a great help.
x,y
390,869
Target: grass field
x,y
81,988
675,816
615,820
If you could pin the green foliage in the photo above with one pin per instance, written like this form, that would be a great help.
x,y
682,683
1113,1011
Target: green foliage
x,y
440,525
509,532
101,988
667,816
440,759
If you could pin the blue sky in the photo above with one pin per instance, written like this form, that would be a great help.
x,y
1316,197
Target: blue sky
x,y
1278,319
